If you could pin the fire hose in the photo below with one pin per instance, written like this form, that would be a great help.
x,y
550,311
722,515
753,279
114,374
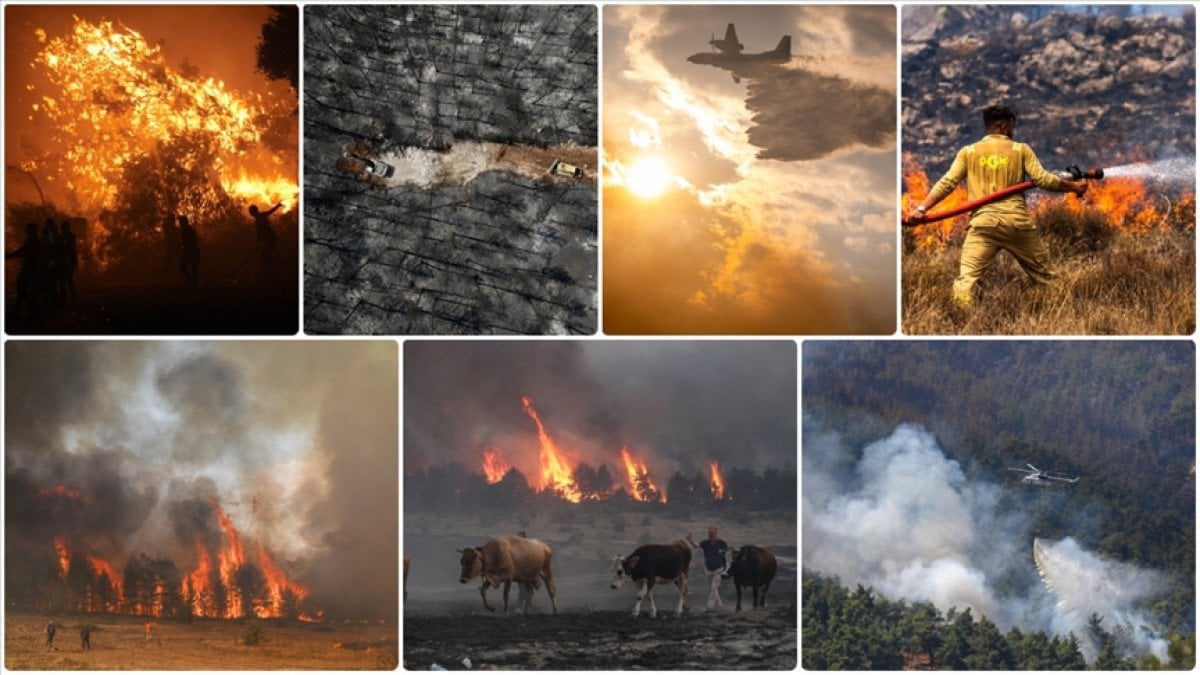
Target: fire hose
x,y
1073,171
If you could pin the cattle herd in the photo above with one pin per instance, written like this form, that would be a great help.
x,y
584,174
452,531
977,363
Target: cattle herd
x,y
508,560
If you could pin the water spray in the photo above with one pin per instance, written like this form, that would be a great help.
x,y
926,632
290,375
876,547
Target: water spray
x,y
1072,172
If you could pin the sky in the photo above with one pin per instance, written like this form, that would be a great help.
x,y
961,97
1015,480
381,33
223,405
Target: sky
x,y
297,442
219,41
678,405
761,205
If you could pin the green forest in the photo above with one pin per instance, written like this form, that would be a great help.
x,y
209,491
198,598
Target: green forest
x,y
1120,415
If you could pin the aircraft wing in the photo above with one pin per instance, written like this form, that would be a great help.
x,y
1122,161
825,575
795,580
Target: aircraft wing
x,y
730,35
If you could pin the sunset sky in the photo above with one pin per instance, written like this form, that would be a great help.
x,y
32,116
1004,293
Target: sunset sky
x,y
764,206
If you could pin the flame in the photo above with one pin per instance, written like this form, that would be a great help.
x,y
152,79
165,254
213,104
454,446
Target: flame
x,y
277,585
64,555
555,471
197,589
930,237
58,491
494,465
117,105
717,480
230,559
102,567
641,487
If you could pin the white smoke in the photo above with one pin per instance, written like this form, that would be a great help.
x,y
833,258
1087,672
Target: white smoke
x,y
1084,584
1175,170
905,520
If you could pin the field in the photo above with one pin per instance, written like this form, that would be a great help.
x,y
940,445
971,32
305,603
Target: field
x,y
1124,284
119,643
445,621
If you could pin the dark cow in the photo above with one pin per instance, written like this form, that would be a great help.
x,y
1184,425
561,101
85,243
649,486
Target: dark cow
x,y
505,560
651,564
752,566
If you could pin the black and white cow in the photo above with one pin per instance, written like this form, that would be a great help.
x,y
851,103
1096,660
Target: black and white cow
x,y
752,566
651,564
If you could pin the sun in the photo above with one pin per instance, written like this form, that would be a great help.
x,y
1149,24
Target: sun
x,y
649,176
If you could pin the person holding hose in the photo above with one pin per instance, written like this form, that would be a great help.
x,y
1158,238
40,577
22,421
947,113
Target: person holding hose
x,y
989,165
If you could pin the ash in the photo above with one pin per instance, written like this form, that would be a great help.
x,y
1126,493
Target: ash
x,y
504,253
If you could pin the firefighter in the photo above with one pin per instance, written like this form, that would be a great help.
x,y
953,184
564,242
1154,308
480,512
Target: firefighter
x,y
51,629
989,165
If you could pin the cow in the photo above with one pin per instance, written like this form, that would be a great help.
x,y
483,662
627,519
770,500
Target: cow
x,y
752,566
651,564
406,576
508,560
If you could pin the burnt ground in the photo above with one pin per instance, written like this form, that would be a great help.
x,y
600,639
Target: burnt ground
x,y
763,639
503,254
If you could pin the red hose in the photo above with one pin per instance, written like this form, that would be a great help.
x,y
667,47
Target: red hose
x,y
969,206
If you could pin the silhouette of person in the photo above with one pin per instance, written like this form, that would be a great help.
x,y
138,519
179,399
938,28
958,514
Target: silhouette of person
x,y
266,240
51,262
171,242
50,630
85,634
189,253
30,254
70,261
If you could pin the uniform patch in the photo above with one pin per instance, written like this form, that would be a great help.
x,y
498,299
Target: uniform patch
x,y
993,162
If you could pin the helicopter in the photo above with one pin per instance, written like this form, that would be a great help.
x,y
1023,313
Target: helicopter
x,y
1035,476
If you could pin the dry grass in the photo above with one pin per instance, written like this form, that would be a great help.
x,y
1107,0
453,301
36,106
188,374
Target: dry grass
x,y
119,644
1110,283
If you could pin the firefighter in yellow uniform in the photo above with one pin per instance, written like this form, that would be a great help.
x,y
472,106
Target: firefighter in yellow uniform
x,y
989,165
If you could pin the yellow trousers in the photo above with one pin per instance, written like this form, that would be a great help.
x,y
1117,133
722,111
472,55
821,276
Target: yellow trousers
x,y
988,235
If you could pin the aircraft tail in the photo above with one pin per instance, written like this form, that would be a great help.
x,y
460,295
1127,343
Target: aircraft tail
x,y
785,46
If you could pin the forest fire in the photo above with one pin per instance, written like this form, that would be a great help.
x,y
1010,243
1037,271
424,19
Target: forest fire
x,y
718,481
641,486
132,138
555,468
64,555
1128,203
58,491
494,466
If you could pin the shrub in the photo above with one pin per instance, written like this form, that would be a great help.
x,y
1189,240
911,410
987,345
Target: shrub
x,y
254,635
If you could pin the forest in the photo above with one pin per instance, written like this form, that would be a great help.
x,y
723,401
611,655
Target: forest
x,y
1119,415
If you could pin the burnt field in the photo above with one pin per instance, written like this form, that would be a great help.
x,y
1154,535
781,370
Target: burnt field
x,y
119,643
445,620
763,639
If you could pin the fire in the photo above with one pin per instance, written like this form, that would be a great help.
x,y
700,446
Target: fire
x,y
125,116
930,237
58,491
197,588
555,471
278,588
64,555
102,567
494,466
717,480
641,487
1128,203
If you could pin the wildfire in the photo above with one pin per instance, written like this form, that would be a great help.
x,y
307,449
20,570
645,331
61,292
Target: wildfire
x,y
494,466
64,555
641,487
280,590
123,114
930,236
58,491
555,469
102,567
717,481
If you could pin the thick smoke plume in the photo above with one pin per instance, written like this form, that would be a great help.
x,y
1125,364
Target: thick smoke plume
x,y
907,521
123,449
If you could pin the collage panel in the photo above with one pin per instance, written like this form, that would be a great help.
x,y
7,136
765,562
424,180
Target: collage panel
x,y
998,505
1068,133
749,180
151,172
600,479
202,506
450,169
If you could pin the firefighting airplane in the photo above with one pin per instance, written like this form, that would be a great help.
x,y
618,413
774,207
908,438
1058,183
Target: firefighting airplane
x,y
1035,476
727,54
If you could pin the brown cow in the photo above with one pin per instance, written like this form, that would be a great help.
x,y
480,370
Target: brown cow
x,y
752,566
405,576
505,560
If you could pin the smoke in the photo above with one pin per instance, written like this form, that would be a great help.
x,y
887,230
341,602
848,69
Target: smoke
x,y
122,447
905,519
1181,170
678,404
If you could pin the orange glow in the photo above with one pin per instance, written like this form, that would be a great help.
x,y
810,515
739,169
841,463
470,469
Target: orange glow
x,y
494,465
64,555
58,491
101,566
641,487
555,470
1126,201
230,559
717,480
930,237
277,585
197,589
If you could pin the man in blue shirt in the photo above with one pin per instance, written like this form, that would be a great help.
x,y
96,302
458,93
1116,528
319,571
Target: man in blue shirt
x,y
714,564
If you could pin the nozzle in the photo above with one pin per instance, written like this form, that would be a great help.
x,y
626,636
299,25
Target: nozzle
x,y
1077,173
